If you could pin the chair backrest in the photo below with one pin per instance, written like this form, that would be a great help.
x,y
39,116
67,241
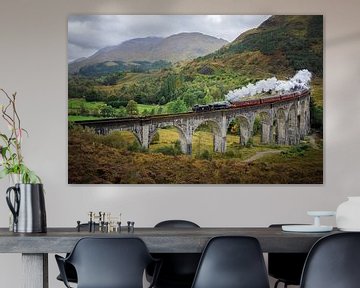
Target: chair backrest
x,y
110,262
178,269
176,224
232,262
333,262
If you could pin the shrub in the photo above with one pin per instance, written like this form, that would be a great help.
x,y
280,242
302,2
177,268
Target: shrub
x,y
166,150
298,150
114,140
250,143
230,154
170,150
205,155
134,146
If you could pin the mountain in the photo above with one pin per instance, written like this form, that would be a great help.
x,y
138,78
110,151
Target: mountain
x,y
178,47
78,60
279,46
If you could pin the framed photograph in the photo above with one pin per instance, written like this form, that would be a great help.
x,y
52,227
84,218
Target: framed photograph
x,y
195,99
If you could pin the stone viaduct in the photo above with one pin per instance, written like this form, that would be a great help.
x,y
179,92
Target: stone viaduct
x,y
284,123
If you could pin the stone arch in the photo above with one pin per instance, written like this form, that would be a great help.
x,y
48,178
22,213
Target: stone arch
x,y
216,131
137,134
280,127
265,120
132,130
103,130
245,128
214,124
107,131
182,137
292,126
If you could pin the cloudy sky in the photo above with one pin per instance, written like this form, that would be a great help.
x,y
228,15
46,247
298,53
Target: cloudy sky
x,y
89,33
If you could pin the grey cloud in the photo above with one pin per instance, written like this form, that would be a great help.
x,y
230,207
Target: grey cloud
x,y
89,33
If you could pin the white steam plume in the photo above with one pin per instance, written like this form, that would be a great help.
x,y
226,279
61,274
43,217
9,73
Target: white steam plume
x,y
301,80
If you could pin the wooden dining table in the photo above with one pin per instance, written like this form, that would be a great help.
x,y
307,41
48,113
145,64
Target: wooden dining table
x,y
35,247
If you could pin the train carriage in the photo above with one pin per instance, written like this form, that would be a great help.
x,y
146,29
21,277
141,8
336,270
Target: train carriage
x,y
250,102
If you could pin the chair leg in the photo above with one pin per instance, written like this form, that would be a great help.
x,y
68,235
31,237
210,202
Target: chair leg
x,y
279,281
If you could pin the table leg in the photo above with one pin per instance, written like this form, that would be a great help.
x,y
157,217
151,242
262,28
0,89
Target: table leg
x,y
35,270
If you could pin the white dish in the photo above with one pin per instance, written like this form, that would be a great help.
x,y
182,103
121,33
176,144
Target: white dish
x,y
306,228
350,229
321,213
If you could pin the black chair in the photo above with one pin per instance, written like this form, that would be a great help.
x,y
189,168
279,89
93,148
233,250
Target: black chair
x,y
69,269
232,262
176,224
178,269
286,267
108,263
333,262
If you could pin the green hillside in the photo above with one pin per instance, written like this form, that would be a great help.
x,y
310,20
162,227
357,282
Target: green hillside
x,y
279,47
287,43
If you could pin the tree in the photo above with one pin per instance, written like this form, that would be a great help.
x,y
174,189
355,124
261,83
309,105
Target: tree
x,y
145,112
107,111
93,96
83,109
111,79
190,98
216,93
168,89
208,98
120,112
132,108
177,106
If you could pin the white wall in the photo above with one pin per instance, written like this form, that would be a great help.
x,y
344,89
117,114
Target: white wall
x,y
33,62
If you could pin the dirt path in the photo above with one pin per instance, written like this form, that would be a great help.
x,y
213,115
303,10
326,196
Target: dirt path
x,y
312,140
261,154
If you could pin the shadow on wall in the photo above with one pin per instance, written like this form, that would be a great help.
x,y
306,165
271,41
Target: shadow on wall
x,y
343,39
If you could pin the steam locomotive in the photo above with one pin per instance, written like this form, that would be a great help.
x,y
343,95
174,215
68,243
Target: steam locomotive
x,y
251,102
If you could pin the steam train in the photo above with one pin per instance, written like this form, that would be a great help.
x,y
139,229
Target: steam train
x,y
251,102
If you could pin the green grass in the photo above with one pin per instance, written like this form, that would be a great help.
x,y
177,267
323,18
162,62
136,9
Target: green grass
x,y
142,107
72,118
75,105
